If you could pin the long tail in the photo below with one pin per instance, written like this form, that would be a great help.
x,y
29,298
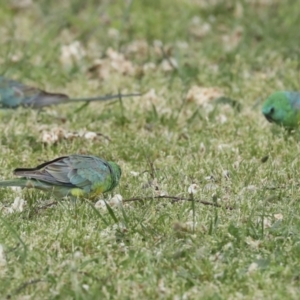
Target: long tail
x,y
23,182
43,99
101,98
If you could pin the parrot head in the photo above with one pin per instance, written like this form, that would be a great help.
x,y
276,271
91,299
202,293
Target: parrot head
x,y
117,172
278,108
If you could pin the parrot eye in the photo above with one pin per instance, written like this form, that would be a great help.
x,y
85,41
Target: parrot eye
x,y
272,110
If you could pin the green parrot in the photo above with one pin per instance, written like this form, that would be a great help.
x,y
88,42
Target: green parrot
x,y
74,175
14,94
283,108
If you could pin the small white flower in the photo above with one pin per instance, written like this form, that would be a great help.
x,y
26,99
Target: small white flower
x,y
113,33
16,189
251,188
119,63
226,174
221,119
123,248
157,43
203,95
202,147
77,254
218,275
252,243
18,204
236,164
222,147
149,67
267,222
190,225
210,187
72,53
21,4
193,188
138,47
100,204
228,246
151,96
89,135
8,210
161,286
168,65
253,267
71,135
86,287
182,44
134,174
49,138
278,217
161,193
116,200
2,257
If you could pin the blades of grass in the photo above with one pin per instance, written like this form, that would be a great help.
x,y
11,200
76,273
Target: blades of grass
x,y
17,236
80,108
226,100
111,212
257,103
125,21
154,110
125,217
194,116
210,229
97,212
122,118
193,209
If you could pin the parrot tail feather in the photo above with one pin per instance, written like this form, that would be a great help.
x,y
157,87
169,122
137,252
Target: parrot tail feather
x,y
23,182
14,182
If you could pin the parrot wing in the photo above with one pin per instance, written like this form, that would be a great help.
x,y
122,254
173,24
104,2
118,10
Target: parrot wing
x,y
78,171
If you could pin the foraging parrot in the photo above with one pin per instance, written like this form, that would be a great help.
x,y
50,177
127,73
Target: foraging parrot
x,y
14,94
283,108
74,175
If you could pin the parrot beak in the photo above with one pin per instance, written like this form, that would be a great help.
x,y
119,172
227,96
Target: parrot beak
x,y
269,114
269,118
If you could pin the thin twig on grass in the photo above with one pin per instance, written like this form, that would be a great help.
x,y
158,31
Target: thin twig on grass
x,y
47,205
24,285
167,57
176,199
104,136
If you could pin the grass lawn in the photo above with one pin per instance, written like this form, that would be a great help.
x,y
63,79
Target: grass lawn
x,y
182,55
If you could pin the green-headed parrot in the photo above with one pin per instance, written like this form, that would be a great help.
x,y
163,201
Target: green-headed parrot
x,y
14,94
74,175
283,108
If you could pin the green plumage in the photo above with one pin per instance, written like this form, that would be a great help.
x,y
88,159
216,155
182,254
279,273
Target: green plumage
x,y
283,108
73,175
14,94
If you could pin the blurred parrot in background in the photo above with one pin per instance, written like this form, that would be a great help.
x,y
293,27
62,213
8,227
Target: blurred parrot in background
x,y
74,175
14,94
283,108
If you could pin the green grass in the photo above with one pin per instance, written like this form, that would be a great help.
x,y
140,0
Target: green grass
x,y
156,248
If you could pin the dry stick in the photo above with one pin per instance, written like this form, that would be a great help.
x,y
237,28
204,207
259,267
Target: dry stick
x,y
104,136
166,56
178,199
278,187
24,285
47,205
175,199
